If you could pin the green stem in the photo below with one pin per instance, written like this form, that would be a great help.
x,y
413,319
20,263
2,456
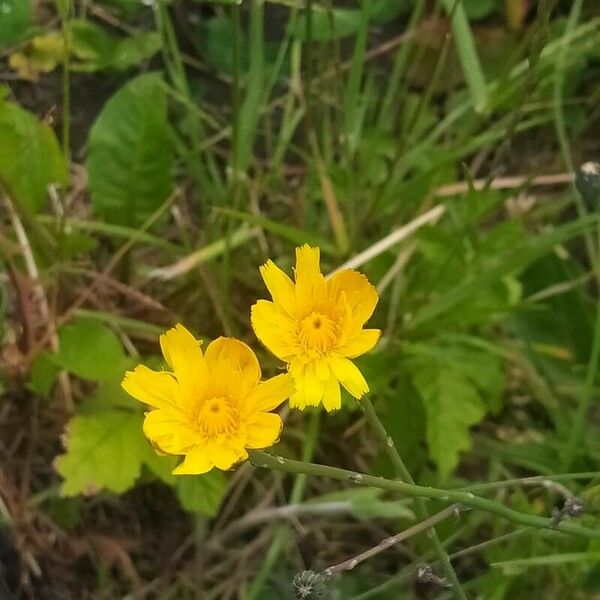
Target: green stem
x,y
282,530
279,463
420,507
467,54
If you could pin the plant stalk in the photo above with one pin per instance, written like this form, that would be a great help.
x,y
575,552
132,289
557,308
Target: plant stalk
x,y
279,463
420,507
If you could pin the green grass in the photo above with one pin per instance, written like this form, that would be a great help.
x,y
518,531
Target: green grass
x,y
334,124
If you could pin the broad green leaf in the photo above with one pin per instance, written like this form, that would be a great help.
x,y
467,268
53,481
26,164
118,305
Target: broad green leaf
x,y
89,349
201,493
130,154
30,157
103,451
15,21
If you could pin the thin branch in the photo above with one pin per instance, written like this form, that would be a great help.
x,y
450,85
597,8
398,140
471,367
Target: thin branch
x,y
348,565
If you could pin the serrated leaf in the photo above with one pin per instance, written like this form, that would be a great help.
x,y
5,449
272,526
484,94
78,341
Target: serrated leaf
x,y
458,384
104,451
30,157
89,349
201,493
130,153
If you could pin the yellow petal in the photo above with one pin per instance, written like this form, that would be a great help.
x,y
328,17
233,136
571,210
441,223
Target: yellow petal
x,y
233,363
322,369
169,431
269,394
359,293
313,386
362,343
196,462
274,329
182,352
156,388
297,400
280,287
332,397
310,283
264,430
349,375
224,456
308,385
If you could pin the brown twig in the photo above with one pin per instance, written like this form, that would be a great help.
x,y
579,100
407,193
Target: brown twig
x,y
348,565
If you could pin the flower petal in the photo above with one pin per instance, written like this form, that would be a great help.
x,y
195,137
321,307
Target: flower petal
x,y
169,431
158,389
359,293
196,462
269,394
264,430
233,365
274,329
310,283
309,387
332,397
224,455
313,386
182,351
362,343
280,287
349,375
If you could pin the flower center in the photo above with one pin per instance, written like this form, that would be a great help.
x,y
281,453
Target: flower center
x,y
217,416
317,332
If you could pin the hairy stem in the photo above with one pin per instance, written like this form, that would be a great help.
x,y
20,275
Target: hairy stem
x,y
279,463
420,508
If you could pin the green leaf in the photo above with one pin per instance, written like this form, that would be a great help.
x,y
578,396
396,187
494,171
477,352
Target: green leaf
x,y
458,385
15,21
96,50
90,350
201,493
130,157
104,451
30,157
43,374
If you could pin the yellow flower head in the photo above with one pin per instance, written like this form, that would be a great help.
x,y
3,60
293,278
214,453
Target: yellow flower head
x,y
210,407
316,325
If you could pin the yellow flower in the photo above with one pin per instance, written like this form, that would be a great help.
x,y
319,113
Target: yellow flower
x,y
210,407
316,326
